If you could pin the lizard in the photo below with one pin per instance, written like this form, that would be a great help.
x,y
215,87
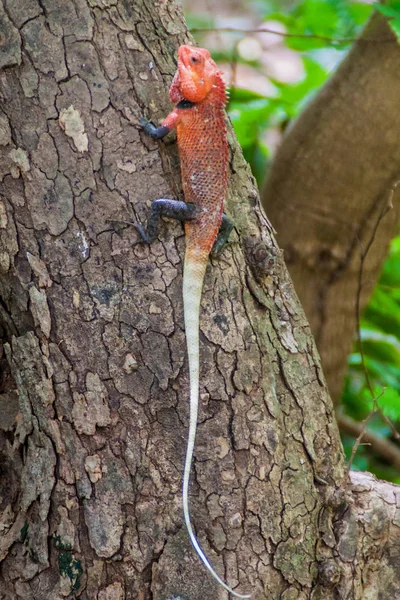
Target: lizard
x,y
199,94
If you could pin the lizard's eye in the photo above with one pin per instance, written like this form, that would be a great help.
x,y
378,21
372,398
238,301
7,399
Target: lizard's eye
x,y
194,59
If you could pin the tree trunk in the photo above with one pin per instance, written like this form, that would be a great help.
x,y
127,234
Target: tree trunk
x,y
92,455
330,183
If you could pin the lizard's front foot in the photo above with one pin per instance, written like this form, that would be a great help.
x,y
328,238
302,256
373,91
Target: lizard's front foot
x,y
155,132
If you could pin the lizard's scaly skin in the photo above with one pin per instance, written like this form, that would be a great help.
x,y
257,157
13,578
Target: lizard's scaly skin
x,y
203,151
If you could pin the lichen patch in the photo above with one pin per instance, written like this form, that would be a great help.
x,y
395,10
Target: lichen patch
x,y
19,156
71,122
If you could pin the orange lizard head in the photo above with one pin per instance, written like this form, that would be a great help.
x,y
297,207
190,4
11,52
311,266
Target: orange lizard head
x,y
197,76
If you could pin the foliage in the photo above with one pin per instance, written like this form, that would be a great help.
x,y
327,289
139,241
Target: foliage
x,y
320,32
380,338
392,11
322,25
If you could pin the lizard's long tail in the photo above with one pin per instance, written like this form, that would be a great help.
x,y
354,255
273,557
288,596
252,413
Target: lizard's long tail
x,y
193,277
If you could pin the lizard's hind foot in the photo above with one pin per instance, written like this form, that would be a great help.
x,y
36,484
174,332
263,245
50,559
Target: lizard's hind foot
x,y
173,209
223,235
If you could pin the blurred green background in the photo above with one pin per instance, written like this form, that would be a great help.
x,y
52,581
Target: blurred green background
x,y
271,78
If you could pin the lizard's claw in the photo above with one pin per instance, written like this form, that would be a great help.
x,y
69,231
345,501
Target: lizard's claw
x,y
144,236
143,122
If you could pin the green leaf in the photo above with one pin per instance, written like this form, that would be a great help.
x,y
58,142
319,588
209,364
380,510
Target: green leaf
x,y
359,12
332,19
257,155
391,269
381,345
247,119
389,402
395,26
241,95
389,10
383,312
392,11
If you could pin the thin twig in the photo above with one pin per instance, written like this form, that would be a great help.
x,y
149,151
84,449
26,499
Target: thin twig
x,y
363,252
233,63
307,36
385,448
363,255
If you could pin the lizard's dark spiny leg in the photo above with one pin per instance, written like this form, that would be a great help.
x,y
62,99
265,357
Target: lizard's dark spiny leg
x,y
223,235
155,132
173,209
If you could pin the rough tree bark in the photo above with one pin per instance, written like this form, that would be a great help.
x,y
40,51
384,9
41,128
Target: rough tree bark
x,y
328,185
93,442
